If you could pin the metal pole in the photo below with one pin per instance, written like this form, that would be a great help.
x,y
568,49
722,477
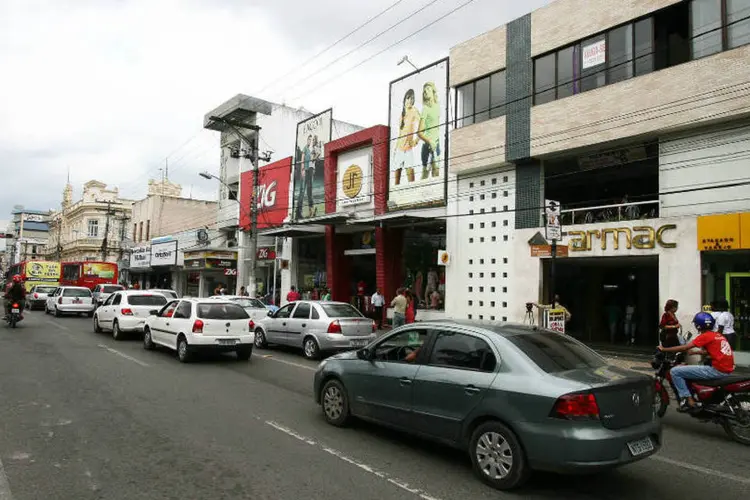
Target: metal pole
x,y
552,274
253,250
275,264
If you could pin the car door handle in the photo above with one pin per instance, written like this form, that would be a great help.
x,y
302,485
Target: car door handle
x,y
167,323
304,325
404,381
470,390
283,324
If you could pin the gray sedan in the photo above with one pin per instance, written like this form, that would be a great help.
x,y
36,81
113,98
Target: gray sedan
x,y
516,398
316,327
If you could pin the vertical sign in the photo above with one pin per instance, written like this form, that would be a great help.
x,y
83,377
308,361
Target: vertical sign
x,y
309,194
552,220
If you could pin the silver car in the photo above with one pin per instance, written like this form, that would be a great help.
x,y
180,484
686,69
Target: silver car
x,y
102,292
37,297
254,307
316,327
70,300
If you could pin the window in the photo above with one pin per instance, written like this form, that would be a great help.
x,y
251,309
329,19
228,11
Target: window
x,y
544,79
465,352
314,313
706,27
135,231
556,353
71,272
593,63
111,288
185,310
480,100
220,311
148,230
140,231
398,348
285,311
644,46
109,300
738,22
93,228
248,302
567,71
341,311
620,54
168,310
302,311
76,292
147,300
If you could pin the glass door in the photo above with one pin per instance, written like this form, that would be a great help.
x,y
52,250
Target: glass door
x,y
738,295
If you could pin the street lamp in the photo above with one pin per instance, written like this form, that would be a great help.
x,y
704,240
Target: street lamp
x,y
406,59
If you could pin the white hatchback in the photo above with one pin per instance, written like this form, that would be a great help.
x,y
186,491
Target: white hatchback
x,y
126,312
254,307
70,300
191,325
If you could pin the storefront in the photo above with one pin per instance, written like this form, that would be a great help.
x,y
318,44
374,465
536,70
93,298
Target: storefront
x,y
206,269
614,278
724,243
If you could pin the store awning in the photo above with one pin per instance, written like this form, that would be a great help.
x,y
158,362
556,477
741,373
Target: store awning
x,y
327,219
407,218
290,231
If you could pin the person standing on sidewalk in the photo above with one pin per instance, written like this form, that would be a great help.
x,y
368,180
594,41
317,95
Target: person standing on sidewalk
x,y
399,304
378,301
669,326
725,323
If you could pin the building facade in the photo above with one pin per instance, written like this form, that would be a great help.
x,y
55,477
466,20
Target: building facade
x,y
92,228
633,119
30,230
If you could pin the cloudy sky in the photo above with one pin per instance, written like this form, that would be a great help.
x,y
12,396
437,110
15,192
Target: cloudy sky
x,y
109,89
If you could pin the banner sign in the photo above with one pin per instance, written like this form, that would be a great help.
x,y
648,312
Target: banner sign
x,y
164,254
308,196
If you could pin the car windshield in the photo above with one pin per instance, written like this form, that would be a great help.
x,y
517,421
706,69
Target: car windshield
x,y
77,292
341,311
147,300
44,289
244,302
167,293
111,288
555,353
221,311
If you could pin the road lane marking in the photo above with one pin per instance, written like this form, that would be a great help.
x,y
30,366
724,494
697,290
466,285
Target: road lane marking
x,y
703,470
290,363
123,355
360,465
5,493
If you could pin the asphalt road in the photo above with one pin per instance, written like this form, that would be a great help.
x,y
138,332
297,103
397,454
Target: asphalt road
x,y
85,417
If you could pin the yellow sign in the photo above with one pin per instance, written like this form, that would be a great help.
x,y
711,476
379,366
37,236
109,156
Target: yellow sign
x,y
103,270
724,232
43,271
351,182
639,237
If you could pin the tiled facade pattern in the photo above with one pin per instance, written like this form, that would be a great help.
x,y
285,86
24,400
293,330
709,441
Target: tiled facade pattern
x,y
479,56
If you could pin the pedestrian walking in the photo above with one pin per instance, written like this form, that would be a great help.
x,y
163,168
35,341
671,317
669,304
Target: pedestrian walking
x,y
725,323
411,307
669,326
293,295
399,304
378,301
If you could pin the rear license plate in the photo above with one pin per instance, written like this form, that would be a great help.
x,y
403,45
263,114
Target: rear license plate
x,y
358,343
641,446
15,311
228,341
77,301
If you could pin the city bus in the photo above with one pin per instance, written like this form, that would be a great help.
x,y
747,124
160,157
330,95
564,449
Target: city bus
x,y
36,272
88,274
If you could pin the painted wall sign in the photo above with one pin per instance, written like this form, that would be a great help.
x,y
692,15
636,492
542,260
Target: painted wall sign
x,y
639,237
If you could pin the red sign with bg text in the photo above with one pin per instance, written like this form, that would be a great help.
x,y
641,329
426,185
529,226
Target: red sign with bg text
x,y
273,195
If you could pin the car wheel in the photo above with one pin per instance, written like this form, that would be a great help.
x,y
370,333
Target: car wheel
x,y
148,342
57,312
497,456
260,339
116,333
244,353
97,328
311,348
335,403
46,309
183,350
91,314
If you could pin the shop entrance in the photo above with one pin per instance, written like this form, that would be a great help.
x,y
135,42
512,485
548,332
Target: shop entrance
x,y
609,298
362,280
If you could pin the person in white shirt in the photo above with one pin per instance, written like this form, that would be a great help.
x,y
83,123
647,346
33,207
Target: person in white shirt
x,y
378,301
725,323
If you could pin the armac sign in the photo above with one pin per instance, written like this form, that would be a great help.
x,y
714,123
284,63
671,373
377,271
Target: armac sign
x,y
638,237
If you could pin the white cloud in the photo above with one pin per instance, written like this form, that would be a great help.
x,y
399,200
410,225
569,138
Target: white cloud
x,y
109,89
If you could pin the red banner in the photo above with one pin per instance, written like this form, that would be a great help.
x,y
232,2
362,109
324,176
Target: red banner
x,y
273,194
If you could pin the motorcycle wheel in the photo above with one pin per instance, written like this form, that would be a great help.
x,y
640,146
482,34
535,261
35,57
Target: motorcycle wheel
x,y
12,321
739,429
661,401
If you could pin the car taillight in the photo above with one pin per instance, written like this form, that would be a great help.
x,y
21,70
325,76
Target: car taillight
x,y
126,312
36,295
576,407
251,325
334,327
59,300
374,327
198,326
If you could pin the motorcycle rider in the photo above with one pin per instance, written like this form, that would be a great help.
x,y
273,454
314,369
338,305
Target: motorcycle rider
x,y
15,294
717,346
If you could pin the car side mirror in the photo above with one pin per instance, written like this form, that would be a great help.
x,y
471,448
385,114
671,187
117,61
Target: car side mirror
x,y
154,312
364,354
270,314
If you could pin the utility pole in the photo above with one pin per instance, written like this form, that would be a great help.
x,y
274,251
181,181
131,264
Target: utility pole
x,y
105,241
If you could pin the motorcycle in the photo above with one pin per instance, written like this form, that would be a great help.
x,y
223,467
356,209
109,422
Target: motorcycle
x,y
724,401
14,316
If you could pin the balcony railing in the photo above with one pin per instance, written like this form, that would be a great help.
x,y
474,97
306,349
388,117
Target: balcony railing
x,y
611,213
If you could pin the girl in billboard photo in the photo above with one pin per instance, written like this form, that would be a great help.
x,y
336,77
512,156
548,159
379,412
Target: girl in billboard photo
x,y
429,131
406,144
307,172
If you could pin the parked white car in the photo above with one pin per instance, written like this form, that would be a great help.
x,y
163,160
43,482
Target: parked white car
x,y
126,312
169,294
102,292
254,307
192,325
37,297
70,300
